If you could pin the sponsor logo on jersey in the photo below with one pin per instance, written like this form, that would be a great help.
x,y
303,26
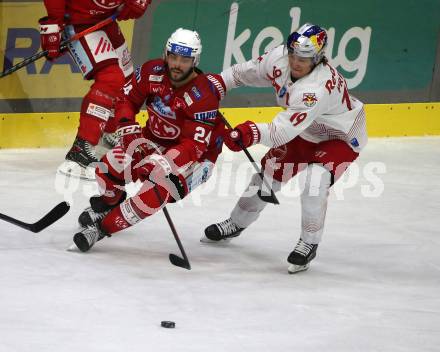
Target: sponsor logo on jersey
x,y
188,99
137,74
155,78
129,214
217,85
157,68
309,99
98,111
198,176
125,57
156,88
162,128
104,46
196,93
108,4
161,109
205,115
178,104
100,46
96,12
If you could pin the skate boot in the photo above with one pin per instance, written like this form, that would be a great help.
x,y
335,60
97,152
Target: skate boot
x,y
88,236
82,153
224,230
94,214
80,160
301,256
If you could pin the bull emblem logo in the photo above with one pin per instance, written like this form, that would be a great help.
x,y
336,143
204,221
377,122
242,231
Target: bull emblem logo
x,y
321,39
309,99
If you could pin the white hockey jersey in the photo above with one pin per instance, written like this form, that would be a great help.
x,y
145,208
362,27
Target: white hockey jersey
x,y
317,107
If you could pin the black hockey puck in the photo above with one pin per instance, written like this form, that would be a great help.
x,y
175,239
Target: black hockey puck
x,y
168,324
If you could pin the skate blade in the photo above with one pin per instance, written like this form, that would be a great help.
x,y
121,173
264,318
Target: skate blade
x,y
72,248
71,169
293,268
205,239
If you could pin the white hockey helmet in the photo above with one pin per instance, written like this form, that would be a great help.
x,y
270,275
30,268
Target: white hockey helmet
x,y
308,41
185,42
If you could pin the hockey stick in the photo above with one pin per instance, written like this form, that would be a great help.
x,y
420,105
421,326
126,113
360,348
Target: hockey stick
x,y
174,259
267,198
54,215
63,45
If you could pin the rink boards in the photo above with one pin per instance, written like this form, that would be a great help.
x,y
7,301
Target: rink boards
x,y
57,129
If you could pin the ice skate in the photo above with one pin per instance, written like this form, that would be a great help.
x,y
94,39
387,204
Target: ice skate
x,y
301,256
80,161
110,140
97,211
222,231
90,217
85,239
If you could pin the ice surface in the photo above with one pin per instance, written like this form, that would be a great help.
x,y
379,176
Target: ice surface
x,y
374,286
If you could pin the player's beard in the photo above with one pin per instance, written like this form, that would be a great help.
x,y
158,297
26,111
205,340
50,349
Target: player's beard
x,y
183,77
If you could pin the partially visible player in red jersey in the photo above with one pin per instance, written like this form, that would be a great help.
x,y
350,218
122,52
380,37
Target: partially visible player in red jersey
x,y
102,56
173,154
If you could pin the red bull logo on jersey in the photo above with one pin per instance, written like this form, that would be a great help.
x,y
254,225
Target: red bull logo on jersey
x,y
309,99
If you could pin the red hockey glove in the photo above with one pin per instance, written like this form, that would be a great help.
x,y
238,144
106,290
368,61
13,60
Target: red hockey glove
x,y
128,133
247,133
154,167
50,36
133,9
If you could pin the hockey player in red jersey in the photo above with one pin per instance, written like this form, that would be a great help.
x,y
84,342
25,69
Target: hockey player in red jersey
x,y
102,56
320,131
173,154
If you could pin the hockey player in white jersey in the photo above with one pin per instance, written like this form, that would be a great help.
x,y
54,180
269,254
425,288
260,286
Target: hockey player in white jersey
x,y
320,131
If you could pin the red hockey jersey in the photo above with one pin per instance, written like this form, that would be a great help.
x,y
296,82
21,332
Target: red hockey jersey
x,y
81,11
183,119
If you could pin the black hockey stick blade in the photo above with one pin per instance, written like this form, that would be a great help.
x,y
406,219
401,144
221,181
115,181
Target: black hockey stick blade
x,y
180,262
54,215
268,198
266,195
